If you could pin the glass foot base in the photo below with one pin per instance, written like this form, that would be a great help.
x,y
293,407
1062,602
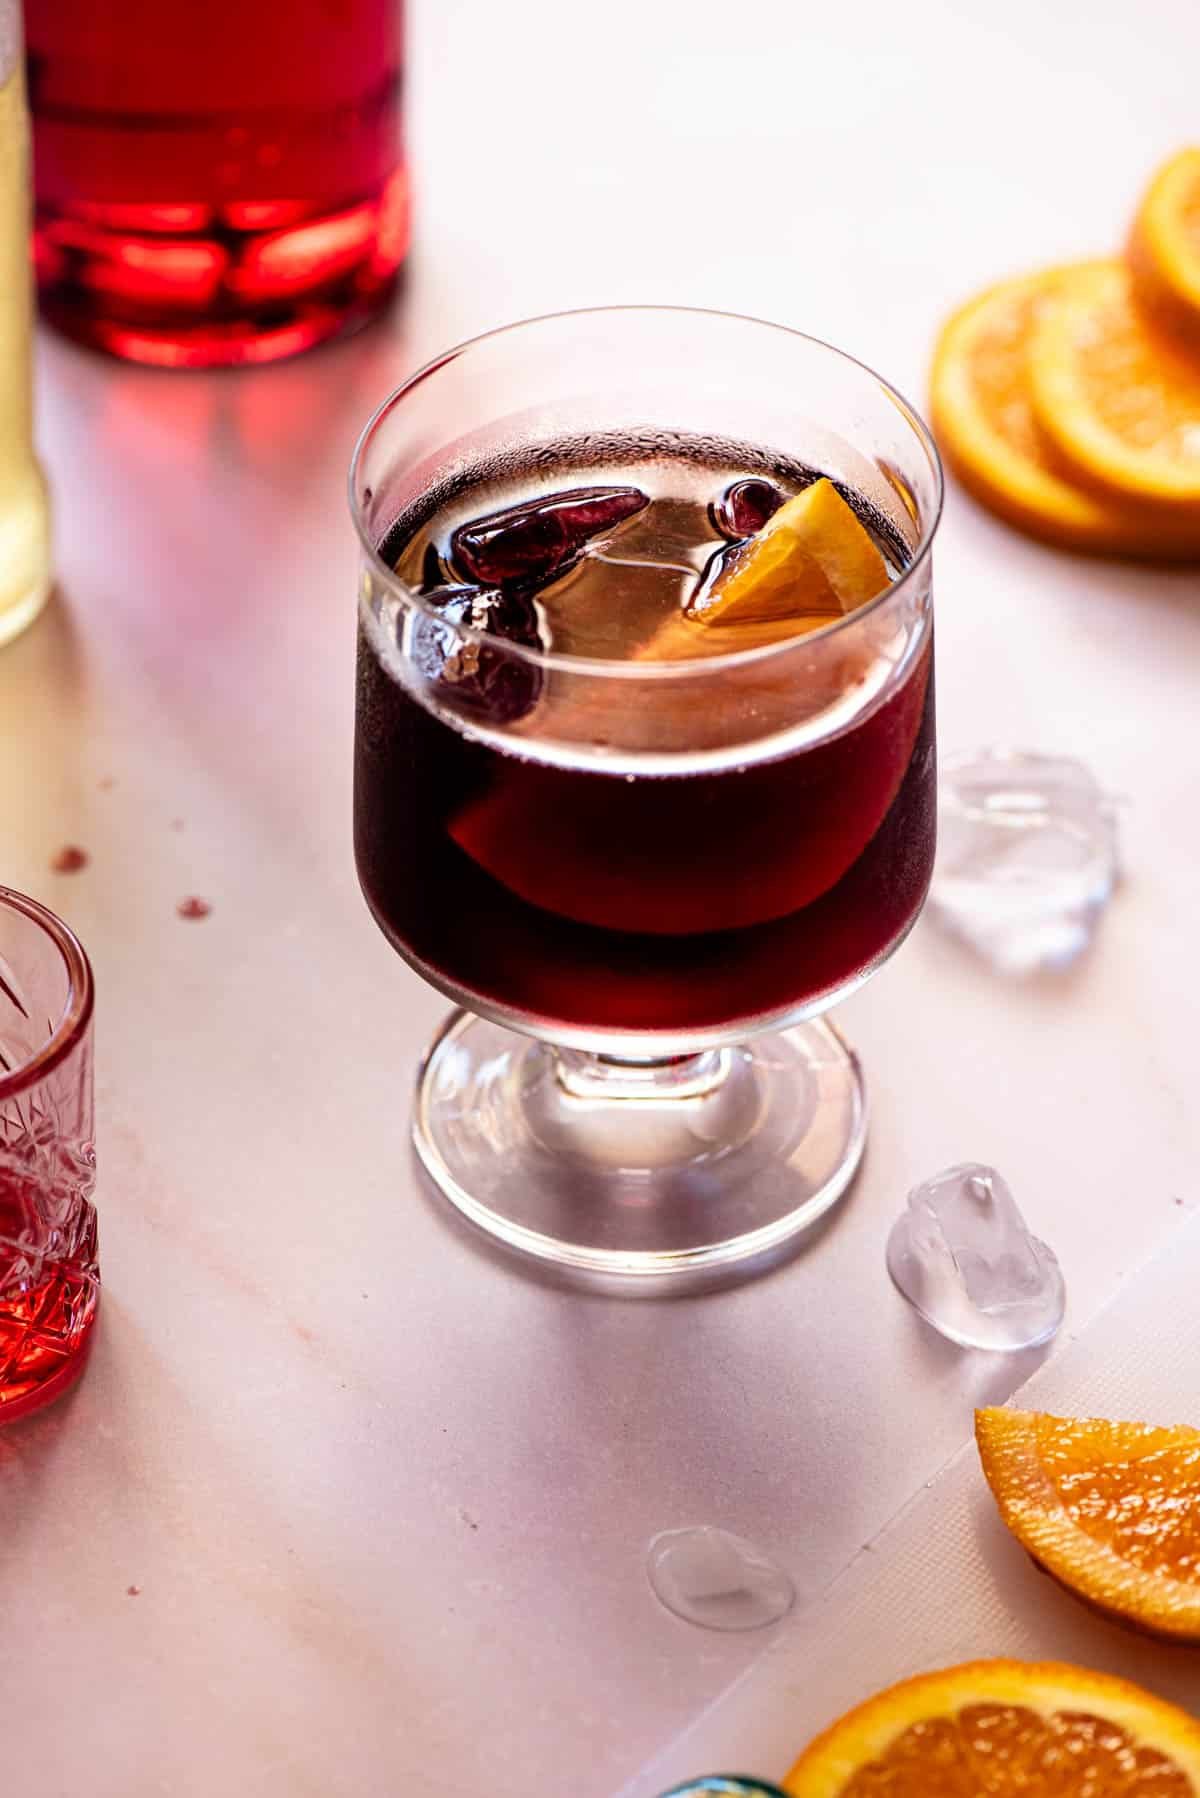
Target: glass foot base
x,y
647,1174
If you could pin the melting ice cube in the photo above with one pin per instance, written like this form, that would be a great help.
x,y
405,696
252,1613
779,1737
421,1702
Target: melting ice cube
x,y
713,1578
963,1256
1027,857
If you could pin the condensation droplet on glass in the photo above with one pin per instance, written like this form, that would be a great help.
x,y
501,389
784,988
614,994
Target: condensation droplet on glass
x,y
716,1580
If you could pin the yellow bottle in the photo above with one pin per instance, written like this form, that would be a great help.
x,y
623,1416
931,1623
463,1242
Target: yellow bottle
x,y
24,510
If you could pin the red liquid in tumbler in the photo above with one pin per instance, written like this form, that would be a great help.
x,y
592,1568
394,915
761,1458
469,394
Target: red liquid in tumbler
x,y
218,182
620,901
48,1290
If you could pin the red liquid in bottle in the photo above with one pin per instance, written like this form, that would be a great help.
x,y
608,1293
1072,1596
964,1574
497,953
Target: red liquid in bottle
x,y
219,182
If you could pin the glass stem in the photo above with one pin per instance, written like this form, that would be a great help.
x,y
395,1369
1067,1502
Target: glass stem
x,y
655,1078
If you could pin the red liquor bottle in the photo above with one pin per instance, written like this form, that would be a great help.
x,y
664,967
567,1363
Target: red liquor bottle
x,y
217,181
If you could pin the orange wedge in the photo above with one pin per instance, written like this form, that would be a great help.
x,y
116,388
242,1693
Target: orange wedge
x,y
1112,1510
982,412
1006,1729
812,559
1118,399
1164,245
811,563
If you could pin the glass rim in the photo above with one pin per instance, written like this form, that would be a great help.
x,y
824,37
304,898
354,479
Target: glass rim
x,y
612,667
76,1013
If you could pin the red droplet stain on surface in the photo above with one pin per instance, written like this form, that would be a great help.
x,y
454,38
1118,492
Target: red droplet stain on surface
x,y
107,784
133,1591
70,859
193,908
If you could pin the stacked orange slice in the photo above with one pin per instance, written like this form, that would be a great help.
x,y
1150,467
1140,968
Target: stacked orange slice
x,y
1164,246
1068,401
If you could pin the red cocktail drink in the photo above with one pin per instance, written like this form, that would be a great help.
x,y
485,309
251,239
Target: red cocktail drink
x,y
645,768
671,895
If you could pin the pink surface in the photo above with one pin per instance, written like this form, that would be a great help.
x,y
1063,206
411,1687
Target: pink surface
x,y
945,1582
385,1503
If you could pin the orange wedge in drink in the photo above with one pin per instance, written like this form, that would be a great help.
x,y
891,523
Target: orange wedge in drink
x,y
1116,396
983,418
1164,246
1111,1510
812,559
811,564
1005,1729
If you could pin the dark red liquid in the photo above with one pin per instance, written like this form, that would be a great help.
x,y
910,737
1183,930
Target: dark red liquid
x,y
215,183
624,898
454,838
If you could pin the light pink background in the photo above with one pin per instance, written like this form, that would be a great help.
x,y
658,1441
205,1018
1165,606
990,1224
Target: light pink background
x,y
386,1505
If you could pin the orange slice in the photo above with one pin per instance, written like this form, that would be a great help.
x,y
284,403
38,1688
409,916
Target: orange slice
x,y
1112,1510
811,564
1118,398
1007,1729
982,411
1164,245
812,559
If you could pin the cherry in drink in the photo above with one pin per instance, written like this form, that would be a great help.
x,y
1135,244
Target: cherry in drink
x,y
676,853
215,183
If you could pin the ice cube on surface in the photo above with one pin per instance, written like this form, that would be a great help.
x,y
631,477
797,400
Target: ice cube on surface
x,y
1027,857
712,1578
963,1256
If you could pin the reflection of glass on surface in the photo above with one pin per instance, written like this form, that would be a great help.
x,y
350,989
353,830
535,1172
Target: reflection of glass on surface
x,y
24,519
49,1274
